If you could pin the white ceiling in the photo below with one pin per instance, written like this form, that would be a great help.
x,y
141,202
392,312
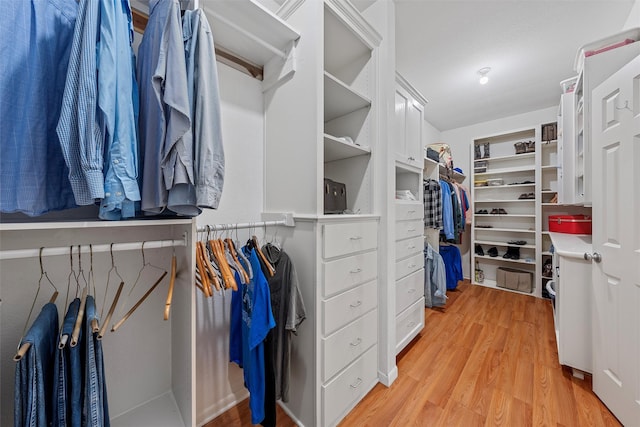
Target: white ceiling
x,y
530,46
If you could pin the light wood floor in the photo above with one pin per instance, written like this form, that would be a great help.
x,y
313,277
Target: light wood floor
x,y
488,358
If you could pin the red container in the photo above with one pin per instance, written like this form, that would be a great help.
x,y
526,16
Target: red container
x,y
571,224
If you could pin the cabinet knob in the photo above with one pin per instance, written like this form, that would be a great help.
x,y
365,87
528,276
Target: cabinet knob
x,y
597,257
587,256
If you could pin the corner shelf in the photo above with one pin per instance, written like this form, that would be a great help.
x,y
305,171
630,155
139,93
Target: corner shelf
x,y
483,187
340,99
336,149
510,157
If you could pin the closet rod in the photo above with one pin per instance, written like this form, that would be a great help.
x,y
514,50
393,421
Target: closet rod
x,y
140,20
242,225
64,250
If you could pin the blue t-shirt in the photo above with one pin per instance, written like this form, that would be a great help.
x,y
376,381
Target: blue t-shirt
x,y
257,320
235,327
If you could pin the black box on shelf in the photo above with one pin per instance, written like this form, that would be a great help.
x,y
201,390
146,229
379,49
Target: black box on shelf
x,y
335,197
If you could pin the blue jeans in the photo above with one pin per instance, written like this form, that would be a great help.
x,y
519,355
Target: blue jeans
x,y
95,410
34,373
67,393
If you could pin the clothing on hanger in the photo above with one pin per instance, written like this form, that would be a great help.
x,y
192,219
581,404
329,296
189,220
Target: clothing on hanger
x,y
435,279
453,265
432,204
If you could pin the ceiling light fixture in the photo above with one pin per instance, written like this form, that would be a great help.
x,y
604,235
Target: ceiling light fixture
x,y
484,78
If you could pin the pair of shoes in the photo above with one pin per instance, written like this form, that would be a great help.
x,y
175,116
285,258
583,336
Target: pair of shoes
x,y
512,253
530,147
477,154
517,242
483,226
482,212
520,147
479,250
547,269
527,196
498,211
493,252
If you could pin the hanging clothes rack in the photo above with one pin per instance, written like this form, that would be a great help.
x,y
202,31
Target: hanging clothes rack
x,y
243,225
64,250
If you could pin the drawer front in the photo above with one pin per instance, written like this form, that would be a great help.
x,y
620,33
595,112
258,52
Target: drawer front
x,y
348,272
349,387
344,239
409,265
343,308
407,247
409,289
405,211
406,229
409,323
347,344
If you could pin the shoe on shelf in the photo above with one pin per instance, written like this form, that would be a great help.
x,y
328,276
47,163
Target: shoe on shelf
x,y
481,212
520,147
502,211
483,226
494,211
493,252
527,196
512,253
479,250
517,242
547,268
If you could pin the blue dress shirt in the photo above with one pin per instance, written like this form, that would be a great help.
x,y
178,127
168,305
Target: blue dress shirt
x,y
116,84
35,41
164,123
79,132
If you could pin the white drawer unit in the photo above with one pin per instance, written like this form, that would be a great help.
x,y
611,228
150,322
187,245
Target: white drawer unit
x,y
407,247
339,395
406,229
409,265
342,347
347,238
409,323
409,289
406,211
344,308
345,273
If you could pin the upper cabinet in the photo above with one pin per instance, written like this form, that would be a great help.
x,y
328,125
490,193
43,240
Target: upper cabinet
x,y
409,118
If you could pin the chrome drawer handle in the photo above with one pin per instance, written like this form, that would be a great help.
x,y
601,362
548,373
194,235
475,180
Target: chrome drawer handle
x,y
412,158
357,383
411,229
411,324
411,265
355,237
411,211
357,270
410,291
356,304
411,247
356,342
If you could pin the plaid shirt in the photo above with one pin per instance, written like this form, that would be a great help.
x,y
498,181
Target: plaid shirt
x,y
432,204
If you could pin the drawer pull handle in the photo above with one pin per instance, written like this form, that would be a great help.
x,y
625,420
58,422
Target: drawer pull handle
x,y
411,229
357,270
411,247
411,211
355,238
410,291
356,304
356,342
411,265
357,383
411,324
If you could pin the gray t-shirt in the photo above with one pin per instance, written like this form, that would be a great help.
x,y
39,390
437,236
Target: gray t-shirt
x,y
288,311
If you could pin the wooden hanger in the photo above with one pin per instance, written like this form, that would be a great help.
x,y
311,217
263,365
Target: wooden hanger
x,y
217,248
105,322
204,279
264,259
95,326
209,268
172,281
75,335
43,274
234,255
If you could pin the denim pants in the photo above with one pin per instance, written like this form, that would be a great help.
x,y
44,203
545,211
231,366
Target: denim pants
x,y
95,411
34,372
67,394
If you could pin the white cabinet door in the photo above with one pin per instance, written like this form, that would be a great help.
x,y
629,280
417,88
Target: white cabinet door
x,y
408,122
616,243
414,132
400,140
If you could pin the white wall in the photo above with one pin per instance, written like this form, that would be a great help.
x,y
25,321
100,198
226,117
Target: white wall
x,y
220,383
460,142
633,20
431,134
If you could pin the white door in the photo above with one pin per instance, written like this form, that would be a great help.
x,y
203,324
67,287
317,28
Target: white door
x,y
616,243
400,143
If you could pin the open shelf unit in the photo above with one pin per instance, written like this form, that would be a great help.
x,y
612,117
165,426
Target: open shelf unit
x,y
510,182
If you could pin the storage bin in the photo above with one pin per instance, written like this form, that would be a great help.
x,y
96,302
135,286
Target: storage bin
x,y
571,224
517,280
495,181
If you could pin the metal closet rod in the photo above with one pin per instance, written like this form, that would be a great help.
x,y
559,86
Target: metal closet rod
x,y
116,247
242,225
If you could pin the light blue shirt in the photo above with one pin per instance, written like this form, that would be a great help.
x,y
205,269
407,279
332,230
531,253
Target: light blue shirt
x,y
116,84
204,99
79,132
447,211
164,124
35,41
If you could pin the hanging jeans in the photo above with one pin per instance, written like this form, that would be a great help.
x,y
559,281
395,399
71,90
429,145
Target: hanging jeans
x,y
34,373
67,393
95,411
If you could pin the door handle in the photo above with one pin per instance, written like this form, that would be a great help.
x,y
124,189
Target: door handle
x,y
597,257
587,256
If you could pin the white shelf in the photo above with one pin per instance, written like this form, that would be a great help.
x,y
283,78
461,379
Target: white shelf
x,y
549,204
501,259
485,187
341,44
508,230
159,412
492,243
336,149
492,284
510,157
546,253
508,170
429,165
457,177
549,143
506,215
549,167
505,201
18,226
549,191
340,99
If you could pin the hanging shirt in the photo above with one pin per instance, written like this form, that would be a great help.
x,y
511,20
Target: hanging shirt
x,y
35,41
257,320
435,278
453,265
164,123
204,99
116,90
432,204
447,211
79,132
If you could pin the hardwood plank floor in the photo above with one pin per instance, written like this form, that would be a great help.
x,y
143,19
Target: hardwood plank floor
x,y
488,359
